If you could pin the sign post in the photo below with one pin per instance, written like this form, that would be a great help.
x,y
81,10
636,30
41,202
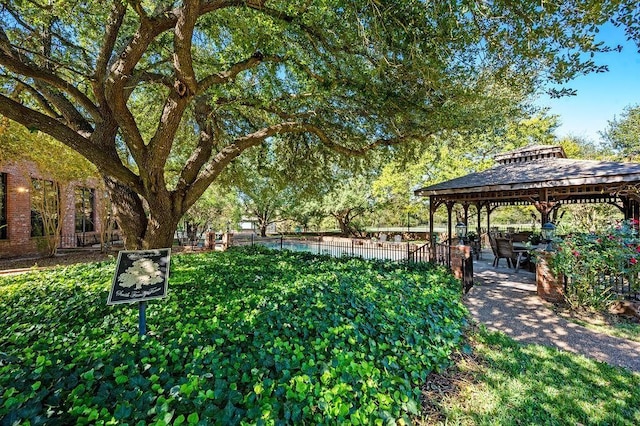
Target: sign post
x,y
140,275
142,321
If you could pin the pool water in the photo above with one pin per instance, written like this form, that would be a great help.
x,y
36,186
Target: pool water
x,y
395,252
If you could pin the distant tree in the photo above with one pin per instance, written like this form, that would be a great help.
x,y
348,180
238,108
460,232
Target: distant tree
x,y
581,148
347,202
623,134
453,154
306,211
213,211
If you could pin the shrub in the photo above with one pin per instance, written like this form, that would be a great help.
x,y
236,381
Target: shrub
x,y
246,336
589,259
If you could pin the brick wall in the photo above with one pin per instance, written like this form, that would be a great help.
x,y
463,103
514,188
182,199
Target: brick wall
x,y
19,241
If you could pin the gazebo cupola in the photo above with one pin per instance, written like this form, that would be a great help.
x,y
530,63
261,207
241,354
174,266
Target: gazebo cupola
x,y
533,152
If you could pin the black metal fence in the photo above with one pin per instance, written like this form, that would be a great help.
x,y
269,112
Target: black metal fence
x,y
87,240
619,286
394,251
343,247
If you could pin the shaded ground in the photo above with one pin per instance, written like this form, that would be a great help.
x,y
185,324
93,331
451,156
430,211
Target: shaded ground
x,y
506,301
61,259
65,258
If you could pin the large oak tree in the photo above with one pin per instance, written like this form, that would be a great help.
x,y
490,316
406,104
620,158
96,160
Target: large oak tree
x,y
133,85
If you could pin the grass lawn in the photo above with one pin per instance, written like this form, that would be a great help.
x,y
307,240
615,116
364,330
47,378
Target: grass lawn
x,y
506,383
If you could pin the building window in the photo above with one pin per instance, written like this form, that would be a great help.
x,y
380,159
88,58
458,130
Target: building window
x,y
45,207
3,206
84,210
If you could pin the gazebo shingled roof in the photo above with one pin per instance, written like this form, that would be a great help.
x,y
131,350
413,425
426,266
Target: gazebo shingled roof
x,y
550,173
543,176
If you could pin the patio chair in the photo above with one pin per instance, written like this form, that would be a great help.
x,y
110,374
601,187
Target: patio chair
x,y
504,249
494,247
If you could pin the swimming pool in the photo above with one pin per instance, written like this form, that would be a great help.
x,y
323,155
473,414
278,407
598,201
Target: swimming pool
x,y
349,248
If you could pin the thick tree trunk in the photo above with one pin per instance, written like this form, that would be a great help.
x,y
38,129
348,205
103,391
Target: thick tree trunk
x,y
143,225
345,229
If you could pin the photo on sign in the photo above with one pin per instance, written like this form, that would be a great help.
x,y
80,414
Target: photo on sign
x,y
140,275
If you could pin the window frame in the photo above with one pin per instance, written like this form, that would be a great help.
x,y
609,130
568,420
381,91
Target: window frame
x,y
4,211
83,222
36,216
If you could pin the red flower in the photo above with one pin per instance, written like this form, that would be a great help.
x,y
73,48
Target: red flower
x,y
576,253
633,261
635,221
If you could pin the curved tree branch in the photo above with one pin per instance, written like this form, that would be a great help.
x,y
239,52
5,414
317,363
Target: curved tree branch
x,y
19,64
202,153
329,143
183,34
114,22
234,70
232,151
35,120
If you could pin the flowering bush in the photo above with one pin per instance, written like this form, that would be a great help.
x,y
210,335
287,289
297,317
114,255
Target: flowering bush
x,y
589,261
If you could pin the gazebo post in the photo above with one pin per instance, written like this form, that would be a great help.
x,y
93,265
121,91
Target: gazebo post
x,y
478,209
630,207
544,206
489,210
465,208
449,228
433,241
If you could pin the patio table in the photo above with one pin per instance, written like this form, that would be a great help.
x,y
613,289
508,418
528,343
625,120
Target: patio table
x,y
520,250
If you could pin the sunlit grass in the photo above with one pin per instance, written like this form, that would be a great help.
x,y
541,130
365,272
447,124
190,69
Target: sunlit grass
x,y
532,384
602,322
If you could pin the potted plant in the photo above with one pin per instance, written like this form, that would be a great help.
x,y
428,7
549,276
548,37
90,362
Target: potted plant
x,y
535,238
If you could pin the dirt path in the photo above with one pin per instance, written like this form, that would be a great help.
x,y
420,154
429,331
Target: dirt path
x,y
506,301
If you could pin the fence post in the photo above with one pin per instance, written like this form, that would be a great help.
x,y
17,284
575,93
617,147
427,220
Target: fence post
x,y
252,239
352,247
281,239
408,252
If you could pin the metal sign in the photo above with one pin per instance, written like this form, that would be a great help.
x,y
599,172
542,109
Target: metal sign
x,y
140,275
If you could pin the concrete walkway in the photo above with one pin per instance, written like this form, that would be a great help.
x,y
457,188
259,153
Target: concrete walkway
x,y
506,301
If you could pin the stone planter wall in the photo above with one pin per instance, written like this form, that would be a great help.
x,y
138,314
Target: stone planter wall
x,y
550,286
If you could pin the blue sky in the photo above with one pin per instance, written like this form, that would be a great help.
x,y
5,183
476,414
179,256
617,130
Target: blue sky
x,y
601,97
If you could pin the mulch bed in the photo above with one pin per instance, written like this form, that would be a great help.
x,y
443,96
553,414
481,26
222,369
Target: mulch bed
x,y
450,383
58,260
65,258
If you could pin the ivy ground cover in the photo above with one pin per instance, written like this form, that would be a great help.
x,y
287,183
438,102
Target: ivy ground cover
x,y
245,337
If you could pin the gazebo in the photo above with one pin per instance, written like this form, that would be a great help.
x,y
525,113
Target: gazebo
x,y
541,176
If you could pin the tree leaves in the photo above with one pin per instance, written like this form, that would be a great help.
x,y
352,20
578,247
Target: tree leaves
x,y
315,340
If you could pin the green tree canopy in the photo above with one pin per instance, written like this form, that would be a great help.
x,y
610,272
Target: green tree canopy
x,y
623,134
51,157
451,155
130,85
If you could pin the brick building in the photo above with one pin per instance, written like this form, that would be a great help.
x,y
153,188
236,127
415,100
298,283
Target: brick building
x,y
21,224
